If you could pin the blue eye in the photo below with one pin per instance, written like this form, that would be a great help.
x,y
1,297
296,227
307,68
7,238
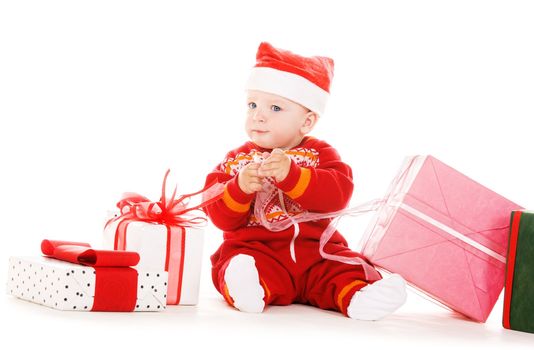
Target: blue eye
x,y
276,108
251,105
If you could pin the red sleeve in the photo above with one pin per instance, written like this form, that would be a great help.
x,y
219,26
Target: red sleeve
x,y
233,209
327,187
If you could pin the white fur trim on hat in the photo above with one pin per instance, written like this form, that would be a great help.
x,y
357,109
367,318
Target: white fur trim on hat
x,y
288,85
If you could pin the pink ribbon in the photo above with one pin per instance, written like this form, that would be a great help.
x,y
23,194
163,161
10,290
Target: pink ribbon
x,y
269,191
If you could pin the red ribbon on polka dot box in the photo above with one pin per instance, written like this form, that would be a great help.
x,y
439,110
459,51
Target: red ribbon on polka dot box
x,y
72,276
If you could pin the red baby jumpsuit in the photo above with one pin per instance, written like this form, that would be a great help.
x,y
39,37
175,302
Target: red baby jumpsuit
x,y
318,181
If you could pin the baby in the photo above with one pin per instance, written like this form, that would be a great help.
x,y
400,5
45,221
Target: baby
x,y
255,266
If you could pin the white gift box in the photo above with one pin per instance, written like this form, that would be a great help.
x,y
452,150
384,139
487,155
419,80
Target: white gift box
x,y
66,286
174,249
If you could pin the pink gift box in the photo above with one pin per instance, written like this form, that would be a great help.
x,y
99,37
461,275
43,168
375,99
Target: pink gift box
x,y
445,234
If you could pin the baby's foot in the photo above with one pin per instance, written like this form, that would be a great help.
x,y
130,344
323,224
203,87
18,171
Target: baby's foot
x,y
243,283
378,300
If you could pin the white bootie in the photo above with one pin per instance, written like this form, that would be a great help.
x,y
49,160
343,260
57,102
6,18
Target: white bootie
x,y
378,300
243,283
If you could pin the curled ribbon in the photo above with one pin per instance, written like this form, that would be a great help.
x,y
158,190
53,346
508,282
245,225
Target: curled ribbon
x,y
167,211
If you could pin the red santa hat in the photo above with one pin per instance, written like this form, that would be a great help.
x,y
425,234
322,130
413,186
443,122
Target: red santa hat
x,y
305,80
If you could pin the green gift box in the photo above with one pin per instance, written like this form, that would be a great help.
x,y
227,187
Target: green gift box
x,y
519,283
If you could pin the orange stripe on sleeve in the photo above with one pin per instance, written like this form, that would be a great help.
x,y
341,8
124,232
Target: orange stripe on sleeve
x,y
233,204
302,184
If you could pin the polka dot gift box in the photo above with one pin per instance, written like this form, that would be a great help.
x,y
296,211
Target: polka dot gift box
x,y
167,236
86,279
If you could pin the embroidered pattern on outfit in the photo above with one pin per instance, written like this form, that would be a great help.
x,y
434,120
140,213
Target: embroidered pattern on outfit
x,y
303,157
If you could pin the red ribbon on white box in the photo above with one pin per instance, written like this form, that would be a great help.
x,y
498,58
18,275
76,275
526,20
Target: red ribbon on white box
x,y
116,281
175,214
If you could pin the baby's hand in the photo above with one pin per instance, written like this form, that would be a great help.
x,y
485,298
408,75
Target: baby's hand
x,y
249,180
276,165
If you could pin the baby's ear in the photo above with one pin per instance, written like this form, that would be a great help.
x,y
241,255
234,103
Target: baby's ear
x,y
309,122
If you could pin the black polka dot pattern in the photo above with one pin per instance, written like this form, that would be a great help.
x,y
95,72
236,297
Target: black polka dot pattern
x,y
74,284
151,290
67,289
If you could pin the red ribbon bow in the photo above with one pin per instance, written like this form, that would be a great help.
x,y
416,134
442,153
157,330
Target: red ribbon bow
x,y
115,286
173,212
82,254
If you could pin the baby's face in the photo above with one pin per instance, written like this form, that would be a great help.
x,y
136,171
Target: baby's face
x,y
274,121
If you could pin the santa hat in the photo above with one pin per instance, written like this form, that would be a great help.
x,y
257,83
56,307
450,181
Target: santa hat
x,y
305,80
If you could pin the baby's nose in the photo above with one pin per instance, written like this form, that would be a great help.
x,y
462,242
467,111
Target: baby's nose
x,y
258,115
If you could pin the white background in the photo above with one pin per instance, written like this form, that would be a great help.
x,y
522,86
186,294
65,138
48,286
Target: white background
x,y
101,97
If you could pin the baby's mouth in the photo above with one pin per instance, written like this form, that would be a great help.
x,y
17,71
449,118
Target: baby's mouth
x,y
260,131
